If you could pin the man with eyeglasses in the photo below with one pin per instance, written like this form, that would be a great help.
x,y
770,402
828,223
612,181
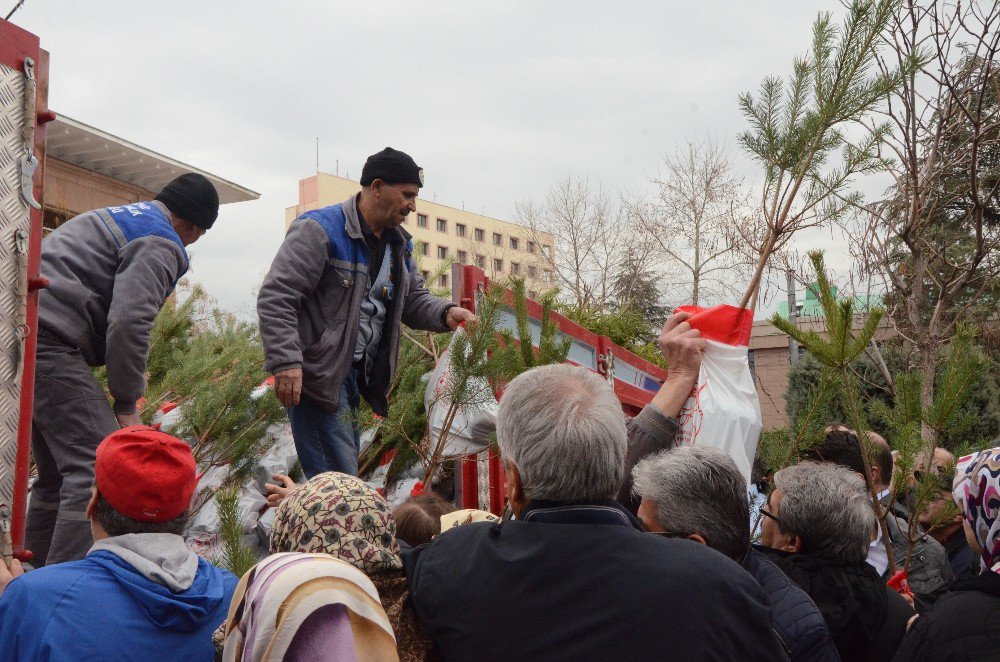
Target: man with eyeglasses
x,y
943,522
817,524
698,493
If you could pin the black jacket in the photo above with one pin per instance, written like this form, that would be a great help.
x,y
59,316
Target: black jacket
x,y
963,625
964,561
867,619
582,582
797,621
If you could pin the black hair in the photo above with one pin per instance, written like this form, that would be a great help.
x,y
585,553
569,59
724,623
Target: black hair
x,y
116,524
841,446
883,460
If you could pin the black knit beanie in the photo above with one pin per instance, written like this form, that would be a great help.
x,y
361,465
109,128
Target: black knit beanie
x,y
193,198
393,167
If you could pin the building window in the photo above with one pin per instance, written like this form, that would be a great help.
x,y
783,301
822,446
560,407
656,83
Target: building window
x,y
515,268
548,276
480,234
514,243
421,220
442,225
533,272
497,265
424,248
481,261
547,251
460,229
532,294
443,280
497,239
426,274
531,247
463,257
442,252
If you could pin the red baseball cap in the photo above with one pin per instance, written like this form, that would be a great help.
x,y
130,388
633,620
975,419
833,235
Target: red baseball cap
x,y
145,474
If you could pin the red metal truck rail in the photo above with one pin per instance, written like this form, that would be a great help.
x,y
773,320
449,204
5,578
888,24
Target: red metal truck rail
x,y
24,76
479,479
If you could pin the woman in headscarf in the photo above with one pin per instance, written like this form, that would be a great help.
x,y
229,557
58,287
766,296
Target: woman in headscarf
x,y
340,515
299,607
965,623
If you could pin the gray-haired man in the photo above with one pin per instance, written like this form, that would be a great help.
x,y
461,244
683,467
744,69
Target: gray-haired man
x,y
573,575
818,523
698,493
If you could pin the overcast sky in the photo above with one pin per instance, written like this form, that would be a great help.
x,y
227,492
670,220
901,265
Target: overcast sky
x,y
495,100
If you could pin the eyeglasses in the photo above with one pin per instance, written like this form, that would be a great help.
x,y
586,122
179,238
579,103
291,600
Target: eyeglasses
x,y
665,534
769,515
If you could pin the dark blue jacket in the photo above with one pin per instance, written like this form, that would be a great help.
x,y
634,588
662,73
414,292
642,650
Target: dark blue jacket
x,y
101,608
582,582
796,619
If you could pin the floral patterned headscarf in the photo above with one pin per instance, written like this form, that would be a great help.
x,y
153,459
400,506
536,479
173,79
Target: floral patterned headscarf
x,y
977,493
340,515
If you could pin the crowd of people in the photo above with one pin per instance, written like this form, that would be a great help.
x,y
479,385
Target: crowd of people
x,y
618,545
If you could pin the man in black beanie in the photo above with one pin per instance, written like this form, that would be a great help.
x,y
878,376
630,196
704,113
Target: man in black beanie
x,y
331,306
110,271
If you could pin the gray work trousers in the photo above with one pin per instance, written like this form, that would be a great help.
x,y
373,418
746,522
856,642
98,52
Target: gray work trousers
x,y
71,417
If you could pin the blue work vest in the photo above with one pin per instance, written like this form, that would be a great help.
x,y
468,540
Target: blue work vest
x,y
345,251
140,219
348,253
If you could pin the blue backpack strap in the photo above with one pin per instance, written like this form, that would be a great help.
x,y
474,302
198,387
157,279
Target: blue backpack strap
x,y
344,253
140,219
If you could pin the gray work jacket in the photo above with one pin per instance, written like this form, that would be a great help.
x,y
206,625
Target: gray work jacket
x,y
310,302
108,280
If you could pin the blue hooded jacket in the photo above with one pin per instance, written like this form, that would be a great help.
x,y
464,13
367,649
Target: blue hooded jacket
x,y
101,608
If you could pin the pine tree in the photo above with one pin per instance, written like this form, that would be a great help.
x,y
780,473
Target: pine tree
x,y
234,555
486,357
208,363
838,386
797,127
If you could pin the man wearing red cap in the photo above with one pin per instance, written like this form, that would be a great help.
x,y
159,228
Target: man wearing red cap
x,y
141,593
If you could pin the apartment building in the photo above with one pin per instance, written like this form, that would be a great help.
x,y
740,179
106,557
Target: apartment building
x,y
442,234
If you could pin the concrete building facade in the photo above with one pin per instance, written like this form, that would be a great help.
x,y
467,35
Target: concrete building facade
x,y
770,362
443,234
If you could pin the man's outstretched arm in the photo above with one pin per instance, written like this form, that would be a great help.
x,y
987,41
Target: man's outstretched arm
x,y
655,427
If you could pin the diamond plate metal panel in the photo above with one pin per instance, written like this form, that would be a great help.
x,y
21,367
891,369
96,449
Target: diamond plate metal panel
x,y
483,462
14,215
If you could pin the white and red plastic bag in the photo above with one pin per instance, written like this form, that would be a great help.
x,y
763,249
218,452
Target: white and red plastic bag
x,y
474,424
723,410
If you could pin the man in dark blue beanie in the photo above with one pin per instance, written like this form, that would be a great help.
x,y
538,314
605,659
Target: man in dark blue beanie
x,y
331,306
110,271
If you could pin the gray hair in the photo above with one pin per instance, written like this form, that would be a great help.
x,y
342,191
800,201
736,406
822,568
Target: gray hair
x,y
563,427
699,490
828,508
